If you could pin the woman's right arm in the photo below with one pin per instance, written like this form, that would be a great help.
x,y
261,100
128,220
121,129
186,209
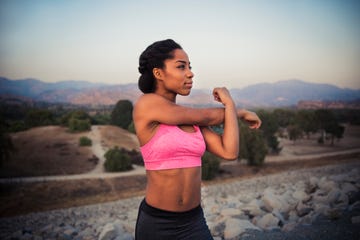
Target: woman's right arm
x,y
154,108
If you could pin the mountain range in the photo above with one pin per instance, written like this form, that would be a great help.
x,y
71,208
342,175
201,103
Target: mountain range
x,y
281,93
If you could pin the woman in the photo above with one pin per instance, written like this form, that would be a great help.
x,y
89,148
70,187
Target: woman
x,y
173,139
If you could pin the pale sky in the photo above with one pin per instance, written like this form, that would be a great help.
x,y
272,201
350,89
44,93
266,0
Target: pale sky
x,y
229,43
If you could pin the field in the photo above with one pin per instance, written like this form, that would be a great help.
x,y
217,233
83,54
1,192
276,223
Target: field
x,y
67,158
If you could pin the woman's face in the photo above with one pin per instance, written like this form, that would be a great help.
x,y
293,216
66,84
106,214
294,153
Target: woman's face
x,y
176,76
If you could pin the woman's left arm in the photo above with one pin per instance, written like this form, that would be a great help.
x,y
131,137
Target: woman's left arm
x,y
226,145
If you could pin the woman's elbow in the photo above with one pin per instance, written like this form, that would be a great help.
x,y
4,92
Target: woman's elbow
x,y
231,156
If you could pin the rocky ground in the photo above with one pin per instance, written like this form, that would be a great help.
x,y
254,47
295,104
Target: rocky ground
x,y
318,203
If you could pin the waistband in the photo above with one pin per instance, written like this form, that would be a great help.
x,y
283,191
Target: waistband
x,y
156,212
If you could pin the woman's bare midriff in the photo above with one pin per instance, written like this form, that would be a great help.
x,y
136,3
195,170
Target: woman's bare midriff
x,y
176,190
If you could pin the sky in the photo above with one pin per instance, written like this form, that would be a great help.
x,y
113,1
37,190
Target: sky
x,y
230,43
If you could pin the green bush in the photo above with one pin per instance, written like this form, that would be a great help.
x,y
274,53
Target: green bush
x,y
253,146
79,125
210,166
117,160
85,141
122,114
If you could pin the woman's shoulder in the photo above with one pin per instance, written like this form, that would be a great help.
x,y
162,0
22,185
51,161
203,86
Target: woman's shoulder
x,y
150,99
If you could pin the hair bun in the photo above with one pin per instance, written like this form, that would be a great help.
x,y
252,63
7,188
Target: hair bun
x,y
142,69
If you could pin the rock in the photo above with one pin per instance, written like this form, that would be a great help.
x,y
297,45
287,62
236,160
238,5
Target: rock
x,y
355,206
355,220
326,185
348,187
288,227
301,195
319,196
268,221
293,216
230,212
353,197
308,219
235,227
271,201
313,182
302,209
333,196
252,209
321,208
108,232
279,216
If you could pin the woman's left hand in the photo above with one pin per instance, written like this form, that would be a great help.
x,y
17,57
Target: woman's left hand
x,y
251,119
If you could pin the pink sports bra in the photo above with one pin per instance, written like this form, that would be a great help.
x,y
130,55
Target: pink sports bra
x,y
172,148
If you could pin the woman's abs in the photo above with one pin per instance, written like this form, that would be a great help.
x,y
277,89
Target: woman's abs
x,y
174,190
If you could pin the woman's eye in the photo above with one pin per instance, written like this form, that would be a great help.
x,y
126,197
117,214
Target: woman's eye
x,y
181,67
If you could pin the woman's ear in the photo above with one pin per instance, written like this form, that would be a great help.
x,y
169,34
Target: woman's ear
x,y
158,73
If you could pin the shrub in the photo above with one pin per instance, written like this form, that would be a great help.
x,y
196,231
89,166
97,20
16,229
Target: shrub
x,y
85,141
252,145
210,166
79,125
121,115
117,160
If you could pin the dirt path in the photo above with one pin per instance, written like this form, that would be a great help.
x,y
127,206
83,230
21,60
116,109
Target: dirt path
x,y
97,149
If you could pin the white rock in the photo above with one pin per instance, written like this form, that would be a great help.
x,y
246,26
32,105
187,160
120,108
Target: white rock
x,y
327,185
313,182
253,208
293,216
320,197
271,201
230,212
268,221
111,231
303,209
108,232
235,227
301,195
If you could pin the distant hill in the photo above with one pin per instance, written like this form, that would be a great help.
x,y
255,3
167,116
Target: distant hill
x,y
290,92
282,93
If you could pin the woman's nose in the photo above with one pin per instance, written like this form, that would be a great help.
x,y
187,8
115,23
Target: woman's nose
x,y
190,74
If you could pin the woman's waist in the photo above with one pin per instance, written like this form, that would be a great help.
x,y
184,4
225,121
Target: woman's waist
x,y
175,189
158,212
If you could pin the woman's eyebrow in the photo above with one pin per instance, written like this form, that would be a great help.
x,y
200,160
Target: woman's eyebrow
x,y
182,61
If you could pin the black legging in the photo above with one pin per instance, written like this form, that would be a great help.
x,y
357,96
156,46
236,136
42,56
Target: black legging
x,y
156,224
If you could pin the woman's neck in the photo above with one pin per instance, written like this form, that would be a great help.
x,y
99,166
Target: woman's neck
x,y
168,95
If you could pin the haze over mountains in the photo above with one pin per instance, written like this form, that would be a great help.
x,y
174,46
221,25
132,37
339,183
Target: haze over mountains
x,y
282,93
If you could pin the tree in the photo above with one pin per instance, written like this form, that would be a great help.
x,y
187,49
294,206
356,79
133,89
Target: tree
x,y
39,117
328,123
77,114
283,117
294,132
269,128
6,145
210,166
122,114
79,125
252,145
305,121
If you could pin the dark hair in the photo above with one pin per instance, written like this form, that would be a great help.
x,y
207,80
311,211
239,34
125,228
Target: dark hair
x,y
153,57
